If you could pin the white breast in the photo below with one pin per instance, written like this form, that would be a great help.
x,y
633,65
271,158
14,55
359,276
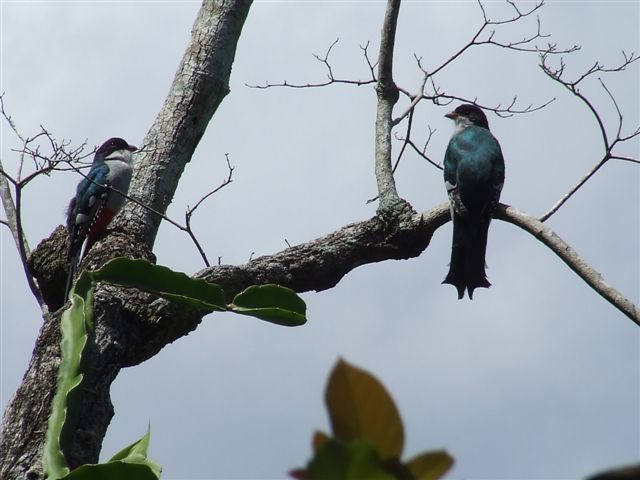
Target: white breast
x,y
119,179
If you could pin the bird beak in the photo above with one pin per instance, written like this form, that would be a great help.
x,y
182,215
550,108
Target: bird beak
x,y
452,115
131,148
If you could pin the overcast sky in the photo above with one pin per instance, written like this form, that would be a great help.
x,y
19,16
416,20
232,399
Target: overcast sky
x,y
537,377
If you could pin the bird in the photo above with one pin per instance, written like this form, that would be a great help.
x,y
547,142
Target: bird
x,y
473,176
99,197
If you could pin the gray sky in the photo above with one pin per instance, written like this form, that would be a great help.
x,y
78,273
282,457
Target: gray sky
x,y
537,377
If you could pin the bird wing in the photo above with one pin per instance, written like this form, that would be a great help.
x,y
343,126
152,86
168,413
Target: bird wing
x,y
452,157
474,171
91,196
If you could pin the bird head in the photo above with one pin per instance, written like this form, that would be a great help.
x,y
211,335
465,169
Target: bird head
x,y
467,115
116,149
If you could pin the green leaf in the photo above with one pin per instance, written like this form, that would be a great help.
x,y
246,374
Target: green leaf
x,y
336,461
162,281
135,450
74,338
430,465
113,471
273,303
130,463
360,408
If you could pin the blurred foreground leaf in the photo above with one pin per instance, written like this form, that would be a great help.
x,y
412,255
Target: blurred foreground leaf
x,y
360,408
368,435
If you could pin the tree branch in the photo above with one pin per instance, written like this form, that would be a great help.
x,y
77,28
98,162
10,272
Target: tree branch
x,y
556,74
13,212
399,233
200,84
331,78
387,98
190,211
321,264
570,257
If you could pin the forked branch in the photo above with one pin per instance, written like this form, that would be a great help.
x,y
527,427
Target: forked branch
x,y
332,79
609,142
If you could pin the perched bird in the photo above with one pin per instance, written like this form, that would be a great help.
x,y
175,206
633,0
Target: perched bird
x,y
98,199
473,176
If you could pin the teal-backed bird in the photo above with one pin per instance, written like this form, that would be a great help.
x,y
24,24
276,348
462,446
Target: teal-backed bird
x,y
473,176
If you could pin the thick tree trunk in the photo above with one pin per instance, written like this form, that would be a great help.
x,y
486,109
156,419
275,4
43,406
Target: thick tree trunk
x,y
200,84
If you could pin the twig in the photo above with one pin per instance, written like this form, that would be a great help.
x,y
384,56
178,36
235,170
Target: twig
x,y
14,222
407,141
331,78
190,211
573,190
438,97
185,228
372,66
422,152
62,158
556,74
226,182
625,159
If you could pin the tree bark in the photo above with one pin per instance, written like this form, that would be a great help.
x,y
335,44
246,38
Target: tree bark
x,y
199,86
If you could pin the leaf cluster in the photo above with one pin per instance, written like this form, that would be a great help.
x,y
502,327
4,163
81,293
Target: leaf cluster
x,y
368,435
271,303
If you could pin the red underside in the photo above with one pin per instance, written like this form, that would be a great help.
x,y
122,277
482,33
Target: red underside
x,y
99,226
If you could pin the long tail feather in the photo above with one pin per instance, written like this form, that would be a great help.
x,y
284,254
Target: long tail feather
x,y
475,273
467,266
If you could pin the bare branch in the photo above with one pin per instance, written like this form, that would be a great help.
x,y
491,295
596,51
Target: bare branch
x,y
524,45
407,141
331,78
414,98
575,188
387,98
13,213
422,151
482,37
190,211
625,159
226,182
371,65
185,228
310,265
570,257
404,145
557,74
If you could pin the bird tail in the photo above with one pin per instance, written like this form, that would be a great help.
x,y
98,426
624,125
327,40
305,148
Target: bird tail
x,y
467,267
